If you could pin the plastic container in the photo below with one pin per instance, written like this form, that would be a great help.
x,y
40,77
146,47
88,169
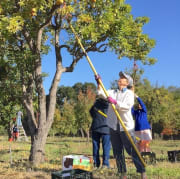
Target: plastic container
x,y
174,156
149,157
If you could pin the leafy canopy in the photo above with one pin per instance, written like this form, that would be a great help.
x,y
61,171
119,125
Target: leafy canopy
x,y
104,22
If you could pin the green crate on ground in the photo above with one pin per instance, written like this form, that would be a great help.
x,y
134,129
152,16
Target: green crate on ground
x,y
72,174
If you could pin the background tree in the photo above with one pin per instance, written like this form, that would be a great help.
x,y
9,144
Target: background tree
x,y
71,93
57,125
82,107
67,123
25,25
175,110
65,93
80,96
10,96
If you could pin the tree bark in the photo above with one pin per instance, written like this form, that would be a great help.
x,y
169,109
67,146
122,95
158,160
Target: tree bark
x,y
38,137
9,130
38,142
39,129
87,135
82,132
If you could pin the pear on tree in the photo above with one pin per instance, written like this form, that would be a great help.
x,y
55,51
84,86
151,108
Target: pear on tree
x,y
59,2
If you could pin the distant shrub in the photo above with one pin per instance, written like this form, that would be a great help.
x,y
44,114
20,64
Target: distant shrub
x,y
2,130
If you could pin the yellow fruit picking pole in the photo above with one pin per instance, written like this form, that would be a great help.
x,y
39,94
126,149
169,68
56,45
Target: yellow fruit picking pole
x,y
113,106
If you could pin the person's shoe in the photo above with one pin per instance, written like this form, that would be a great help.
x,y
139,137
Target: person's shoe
x,y
105,167
123,176
143,176
95,167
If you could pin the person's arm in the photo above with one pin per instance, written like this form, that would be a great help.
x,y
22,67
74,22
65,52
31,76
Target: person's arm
x,y
143,106
100,92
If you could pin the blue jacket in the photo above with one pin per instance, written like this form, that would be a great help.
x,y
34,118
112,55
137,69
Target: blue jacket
x,y
99,122
140,115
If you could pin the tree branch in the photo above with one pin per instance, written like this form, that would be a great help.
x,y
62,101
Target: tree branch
x,y
44,25
72,65
28,39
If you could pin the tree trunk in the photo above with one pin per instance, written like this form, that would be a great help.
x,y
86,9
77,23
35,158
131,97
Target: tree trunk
x,y
46,106
40,128
82,132
9,130
39,136
38,142
87,135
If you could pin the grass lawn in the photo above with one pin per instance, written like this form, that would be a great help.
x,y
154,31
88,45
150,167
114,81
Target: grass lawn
x,y
14,159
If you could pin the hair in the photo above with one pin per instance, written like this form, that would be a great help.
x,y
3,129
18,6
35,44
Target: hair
x,y
136,105
129,87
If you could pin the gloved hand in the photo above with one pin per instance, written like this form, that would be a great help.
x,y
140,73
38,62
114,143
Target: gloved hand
x,y
97,77
111,100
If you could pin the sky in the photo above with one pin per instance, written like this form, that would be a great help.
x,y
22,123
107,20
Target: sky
x,y
164,27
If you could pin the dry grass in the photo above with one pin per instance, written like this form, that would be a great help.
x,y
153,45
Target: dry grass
x,y
14,160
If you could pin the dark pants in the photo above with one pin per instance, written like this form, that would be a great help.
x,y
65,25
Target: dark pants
x,y
106,145
120,142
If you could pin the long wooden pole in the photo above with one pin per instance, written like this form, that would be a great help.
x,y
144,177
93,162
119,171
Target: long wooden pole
x,y
107,95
